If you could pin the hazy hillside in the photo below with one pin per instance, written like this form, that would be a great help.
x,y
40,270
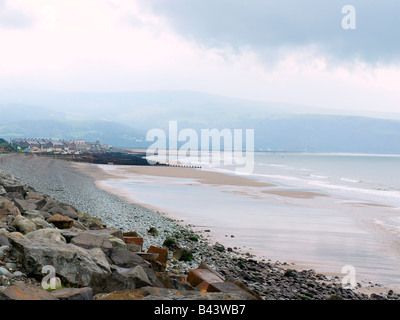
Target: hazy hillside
x,y
328,133
122,119
24,121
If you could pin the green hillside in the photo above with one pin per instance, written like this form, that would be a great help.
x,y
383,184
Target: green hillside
x,y
4,146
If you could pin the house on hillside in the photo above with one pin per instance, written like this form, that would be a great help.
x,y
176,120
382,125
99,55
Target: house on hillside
x,y
34,149
57,146
79,145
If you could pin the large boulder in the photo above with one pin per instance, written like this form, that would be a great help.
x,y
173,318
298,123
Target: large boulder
x,y
32,195
69,234
24,225
74,265
56,207
122,279
8,210
25,205
88,241
93,223
49,234
41,223
116,242
31,214
61,222
12,185
3,237
6,227
127,259
73,294
24,291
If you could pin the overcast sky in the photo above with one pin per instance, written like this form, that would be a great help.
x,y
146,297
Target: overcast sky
x,y
288,50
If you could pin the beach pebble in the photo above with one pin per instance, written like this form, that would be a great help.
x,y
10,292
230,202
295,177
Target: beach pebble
x,y
5,272
18,274
3,251
11,265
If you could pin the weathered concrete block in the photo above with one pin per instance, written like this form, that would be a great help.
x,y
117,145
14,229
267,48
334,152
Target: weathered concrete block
x,y
162,255
136,240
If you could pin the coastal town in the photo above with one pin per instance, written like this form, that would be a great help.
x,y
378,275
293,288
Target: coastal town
x,y
61,146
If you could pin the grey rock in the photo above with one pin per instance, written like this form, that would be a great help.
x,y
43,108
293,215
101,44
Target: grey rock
x,y
41,223
122,279
73,294
72,264
23,291
31,214
11,265
3,240
70,234
50,234
183,254
23,225
5,272
8,210
88,241
91,222
116,242
3,251
133,247
25,205
219,247
6,227
126,259
12,185
56,207
79,225
153,231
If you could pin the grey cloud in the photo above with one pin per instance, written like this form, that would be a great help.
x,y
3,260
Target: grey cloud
x,y
13,19
270,26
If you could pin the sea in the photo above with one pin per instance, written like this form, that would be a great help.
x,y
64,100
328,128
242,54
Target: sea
x,y
351,218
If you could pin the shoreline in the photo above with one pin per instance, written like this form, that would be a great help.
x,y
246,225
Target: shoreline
x,y
223,261
368,285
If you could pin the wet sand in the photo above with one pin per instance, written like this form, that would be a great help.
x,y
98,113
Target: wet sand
x,y
201,176
314,224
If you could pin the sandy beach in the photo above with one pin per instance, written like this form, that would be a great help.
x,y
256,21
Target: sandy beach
x,y
201,176
298,222
103,191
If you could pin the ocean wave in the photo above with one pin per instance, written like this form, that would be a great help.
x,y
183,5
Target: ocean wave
x,y
388,226
382,193
318,177
350,180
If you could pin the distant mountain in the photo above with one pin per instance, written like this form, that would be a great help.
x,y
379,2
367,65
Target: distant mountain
x,y
21,113
122,119
328,133
22,121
